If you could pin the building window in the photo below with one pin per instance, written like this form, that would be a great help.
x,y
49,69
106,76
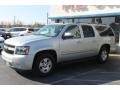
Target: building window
x,y
99,20
57,21
72,20
93,20
117,19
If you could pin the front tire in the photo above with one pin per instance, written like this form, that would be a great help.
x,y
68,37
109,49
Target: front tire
x,y
103,55
44,64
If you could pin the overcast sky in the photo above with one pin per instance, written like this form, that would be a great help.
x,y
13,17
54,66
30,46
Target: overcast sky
x,y
27,14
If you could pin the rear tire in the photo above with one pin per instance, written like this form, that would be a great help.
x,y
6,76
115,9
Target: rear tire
x,y
103,55
44,64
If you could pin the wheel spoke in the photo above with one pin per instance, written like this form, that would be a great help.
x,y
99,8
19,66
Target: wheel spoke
x,y
104,55
41,64
45,65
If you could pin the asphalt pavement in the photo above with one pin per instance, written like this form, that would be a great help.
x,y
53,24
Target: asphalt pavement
x,y
77,73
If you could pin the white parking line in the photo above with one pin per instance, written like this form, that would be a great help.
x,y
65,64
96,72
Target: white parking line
x,y
89,80
114,55
110,72
68,78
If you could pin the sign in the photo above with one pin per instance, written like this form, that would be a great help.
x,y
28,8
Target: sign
x,y
75,10
78,8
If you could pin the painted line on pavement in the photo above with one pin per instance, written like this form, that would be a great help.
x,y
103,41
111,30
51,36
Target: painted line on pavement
x,y
68,78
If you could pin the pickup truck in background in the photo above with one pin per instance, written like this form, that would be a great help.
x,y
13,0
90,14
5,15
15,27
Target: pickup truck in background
x,y
57,43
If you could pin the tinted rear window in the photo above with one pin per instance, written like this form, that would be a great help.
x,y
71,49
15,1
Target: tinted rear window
x,y
104,31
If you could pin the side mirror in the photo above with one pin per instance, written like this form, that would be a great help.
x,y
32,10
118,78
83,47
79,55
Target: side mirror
x,y
67,35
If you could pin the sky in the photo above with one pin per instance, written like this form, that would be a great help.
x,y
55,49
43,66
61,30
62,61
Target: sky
x,y
27,14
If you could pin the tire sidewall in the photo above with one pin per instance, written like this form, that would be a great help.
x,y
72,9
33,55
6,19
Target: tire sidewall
x,y
100,59
37,62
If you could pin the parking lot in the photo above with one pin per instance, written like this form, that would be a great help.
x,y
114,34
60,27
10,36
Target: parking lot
x,y
77,73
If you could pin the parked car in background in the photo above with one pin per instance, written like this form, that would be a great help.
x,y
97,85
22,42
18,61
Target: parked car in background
x,y
36,29
56,43
20,31
27,32
1,43
4,34
2,30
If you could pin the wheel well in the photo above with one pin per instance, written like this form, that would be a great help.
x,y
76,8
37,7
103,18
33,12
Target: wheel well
x,y
52,52
106,45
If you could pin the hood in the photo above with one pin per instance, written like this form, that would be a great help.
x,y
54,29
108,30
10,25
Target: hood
x,y
17,41
14,34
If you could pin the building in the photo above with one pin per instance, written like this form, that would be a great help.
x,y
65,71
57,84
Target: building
x,y
100,14
105,14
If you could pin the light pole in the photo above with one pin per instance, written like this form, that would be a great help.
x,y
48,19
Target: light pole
x,y
47,17
14,20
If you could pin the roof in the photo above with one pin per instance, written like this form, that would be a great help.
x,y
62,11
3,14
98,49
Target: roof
x,y
87,16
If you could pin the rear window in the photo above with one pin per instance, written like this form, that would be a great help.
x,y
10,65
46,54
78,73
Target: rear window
x,y
104,31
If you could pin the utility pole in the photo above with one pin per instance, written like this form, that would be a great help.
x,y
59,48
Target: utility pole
x,y
47,17
14,20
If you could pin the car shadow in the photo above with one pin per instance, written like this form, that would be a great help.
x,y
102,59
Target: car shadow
x,y
63,71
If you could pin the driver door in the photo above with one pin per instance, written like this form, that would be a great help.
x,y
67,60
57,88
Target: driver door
x,y
70,43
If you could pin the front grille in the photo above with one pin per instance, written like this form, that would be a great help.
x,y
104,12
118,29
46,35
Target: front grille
x,y
9,48
12,46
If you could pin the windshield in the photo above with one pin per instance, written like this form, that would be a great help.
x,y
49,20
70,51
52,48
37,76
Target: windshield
x,y
50,30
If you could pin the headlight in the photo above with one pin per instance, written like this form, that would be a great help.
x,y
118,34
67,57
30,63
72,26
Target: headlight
x,y
22,50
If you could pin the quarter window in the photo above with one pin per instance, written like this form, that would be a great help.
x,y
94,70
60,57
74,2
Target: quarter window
x,y
104,31
107,32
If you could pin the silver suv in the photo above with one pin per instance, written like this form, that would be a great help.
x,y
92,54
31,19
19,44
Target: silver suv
x,y
56,43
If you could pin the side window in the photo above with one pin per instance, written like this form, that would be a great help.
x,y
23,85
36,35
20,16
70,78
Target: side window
x,y
22,29
72,32
88,31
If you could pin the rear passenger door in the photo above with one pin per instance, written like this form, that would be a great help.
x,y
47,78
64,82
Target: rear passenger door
x,y
90,41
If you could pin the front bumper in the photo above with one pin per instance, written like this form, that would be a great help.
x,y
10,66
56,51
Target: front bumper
x,y
22,62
